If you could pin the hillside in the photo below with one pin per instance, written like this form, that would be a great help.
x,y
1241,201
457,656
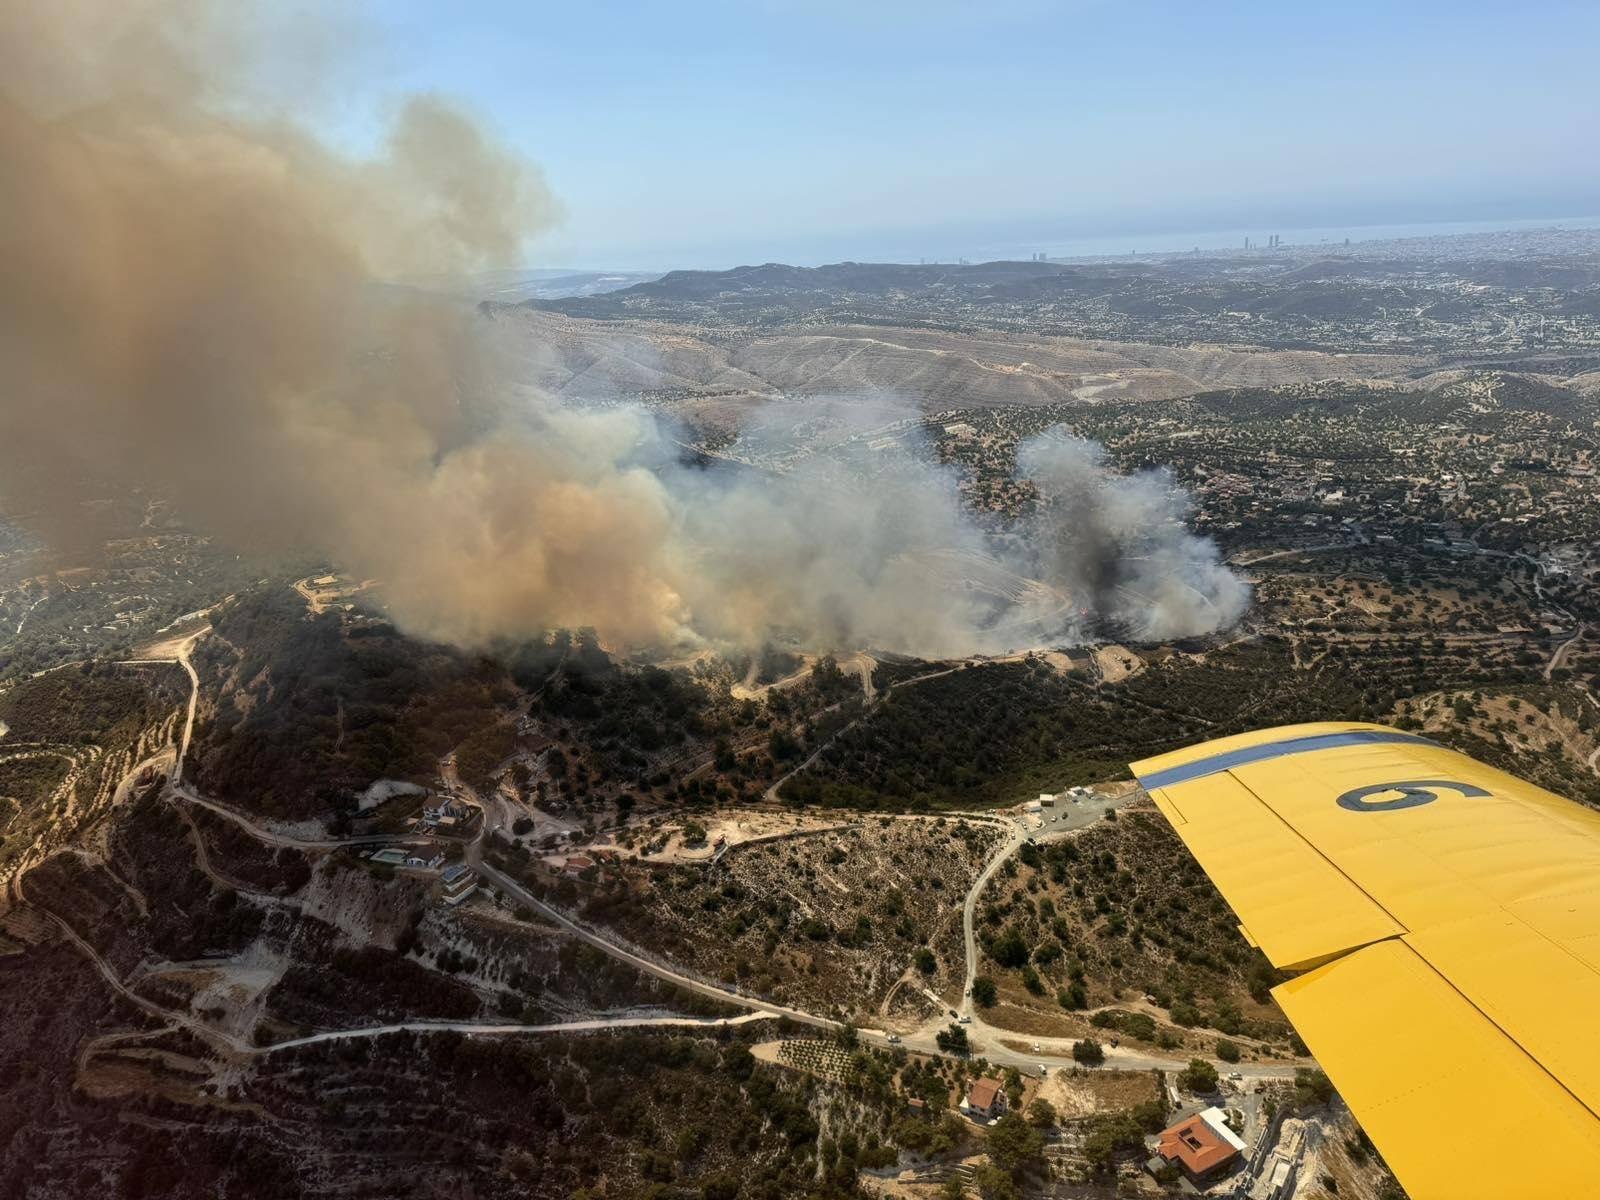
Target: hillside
x,y
304,710
701,369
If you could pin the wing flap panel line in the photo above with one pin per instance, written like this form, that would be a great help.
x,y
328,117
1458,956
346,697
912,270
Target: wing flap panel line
x,y
1169,809
1299,907
1414,1059
1495,891
1511,973
1458,914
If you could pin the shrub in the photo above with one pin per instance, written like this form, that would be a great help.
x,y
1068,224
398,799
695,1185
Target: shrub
x,y
1009,949
1088,1052
1312,1086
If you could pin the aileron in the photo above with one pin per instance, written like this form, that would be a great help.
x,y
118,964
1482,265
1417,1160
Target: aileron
x,y
1418,1065
1447,916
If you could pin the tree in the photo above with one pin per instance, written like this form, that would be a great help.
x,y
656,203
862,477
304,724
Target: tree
x,y
1312,1086
984,991
913,1134
1227,1051
1110,1135
1150,1115
1014,1144
1088,1052
1198,1076
1041,1114
691,1141
953,1040
994,1184
782,745
1009,949
926,963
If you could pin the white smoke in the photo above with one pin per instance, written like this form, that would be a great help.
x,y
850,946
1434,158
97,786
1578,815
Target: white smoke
x,y
857,537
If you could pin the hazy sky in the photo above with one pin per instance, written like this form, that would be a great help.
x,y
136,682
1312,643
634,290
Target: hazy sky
x,y
709,133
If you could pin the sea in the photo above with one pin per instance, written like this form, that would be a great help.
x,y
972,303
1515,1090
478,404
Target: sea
x,y
1124,245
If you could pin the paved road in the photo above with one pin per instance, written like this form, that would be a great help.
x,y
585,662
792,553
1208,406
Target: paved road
x,y
1056,1053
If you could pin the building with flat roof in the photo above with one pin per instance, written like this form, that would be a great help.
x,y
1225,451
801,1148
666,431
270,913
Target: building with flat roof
x,y
456,883
1201,1146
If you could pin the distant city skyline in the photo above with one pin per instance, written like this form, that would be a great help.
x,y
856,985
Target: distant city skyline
x,y
713,134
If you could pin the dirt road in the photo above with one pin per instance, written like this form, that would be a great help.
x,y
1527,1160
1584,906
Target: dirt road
x,y
473,1030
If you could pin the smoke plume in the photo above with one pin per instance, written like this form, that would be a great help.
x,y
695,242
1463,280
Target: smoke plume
x,y
193,297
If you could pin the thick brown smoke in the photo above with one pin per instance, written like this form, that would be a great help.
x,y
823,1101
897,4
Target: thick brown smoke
x,y
190,298
192,295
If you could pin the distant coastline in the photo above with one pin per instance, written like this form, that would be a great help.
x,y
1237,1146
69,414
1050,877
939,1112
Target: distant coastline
x,y
1104,246
1514,237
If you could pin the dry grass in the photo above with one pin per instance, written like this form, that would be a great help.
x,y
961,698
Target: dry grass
x,y
1132,912
824,920
1085,1093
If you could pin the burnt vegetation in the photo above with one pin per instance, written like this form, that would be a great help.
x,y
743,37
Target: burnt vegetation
x,y
312,708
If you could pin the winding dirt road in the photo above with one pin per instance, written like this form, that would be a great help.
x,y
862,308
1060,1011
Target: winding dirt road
x,y
472,1030
1054,1053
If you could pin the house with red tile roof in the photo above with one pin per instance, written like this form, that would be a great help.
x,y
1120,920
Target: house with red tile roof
x,y
1201,1146
986,1099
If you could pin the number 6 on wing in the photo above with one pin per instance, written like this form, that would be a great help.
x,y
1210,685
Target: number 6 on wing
x,y
1412,793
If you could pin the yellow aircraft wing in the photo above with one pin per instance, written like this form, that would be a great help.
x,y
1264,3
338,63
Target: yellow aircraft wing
x,y
1446,918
